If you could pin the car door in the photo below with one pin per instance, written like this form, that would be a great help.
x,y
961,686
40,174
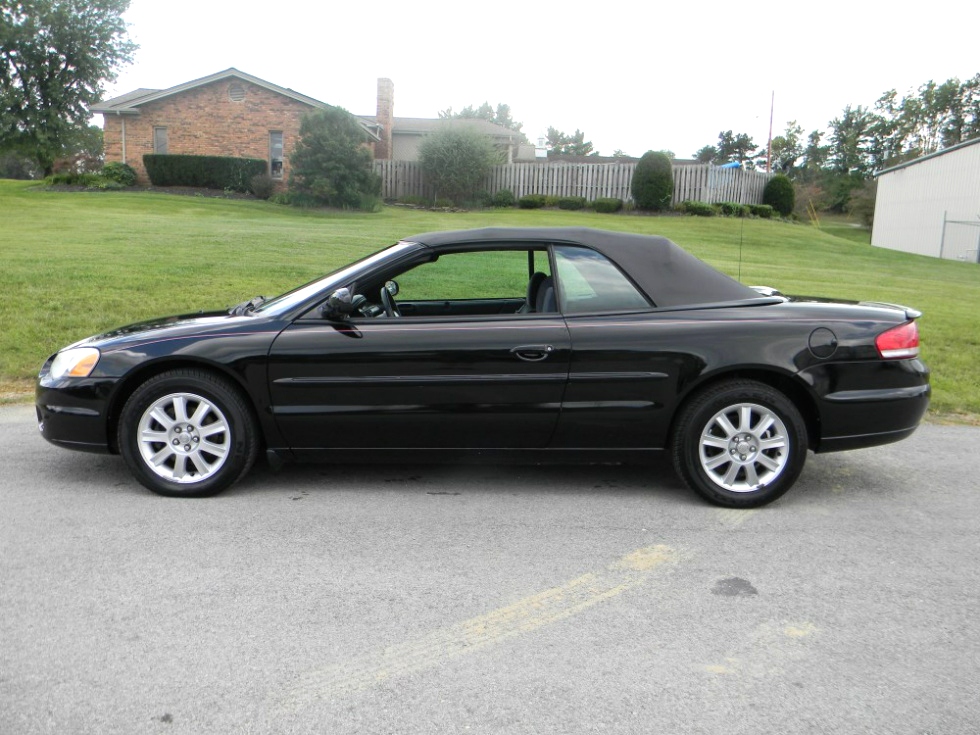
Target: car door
x,y
623,374
451,379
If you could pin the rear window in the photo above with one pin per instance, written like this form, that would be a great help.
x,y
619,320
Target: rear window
x,y
590,282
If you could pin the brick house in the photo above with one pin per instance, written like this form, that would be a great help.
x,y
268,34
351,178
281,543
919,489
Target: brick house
x,y
225,114
232,113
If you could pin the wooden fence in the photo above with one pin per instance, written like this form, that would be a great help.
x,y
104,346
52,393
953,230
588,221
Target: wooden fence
x,y
699,182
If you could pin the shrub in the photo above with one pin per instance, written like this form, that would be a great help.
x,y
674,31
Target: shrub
x,y
16,166
550,200
482,199
779,194
572,203
862,203
733,209
72,178
209,172
761,210
455,161
607,205
295,199
531,201
370,203
653,182
262,186
331,163
443,203
413,200
121,173
504,198
698,209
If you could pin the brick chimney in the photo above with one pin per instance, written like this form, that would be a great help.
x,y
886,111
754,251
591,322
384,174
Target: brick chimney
x,y
385,118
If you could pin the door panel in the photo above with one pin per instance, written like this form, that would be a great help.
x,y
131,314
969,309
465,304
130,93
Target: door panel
x,y
420,382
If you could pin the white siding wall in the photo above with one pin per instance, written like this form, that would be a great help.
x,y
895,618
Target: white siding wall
x,y
911,202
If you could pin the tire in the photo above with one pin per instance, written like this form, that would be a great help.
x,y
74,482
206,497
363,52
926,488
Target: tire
x,y
210,447
739,444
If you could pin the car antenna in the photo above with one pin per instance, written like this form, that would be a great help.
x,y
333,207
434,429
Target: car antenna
x,y
741,232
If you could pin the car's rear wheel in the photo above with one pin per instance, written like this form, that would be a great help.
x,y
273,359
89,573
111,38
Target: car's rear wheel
x,y
187,433
740,444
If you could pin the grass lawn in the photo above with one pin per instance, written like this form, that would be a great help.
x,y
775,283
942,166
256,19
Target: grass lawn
x,y
75,263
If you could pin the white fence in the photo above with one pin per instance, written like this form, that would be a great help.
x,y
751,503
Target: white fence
x,y
699,182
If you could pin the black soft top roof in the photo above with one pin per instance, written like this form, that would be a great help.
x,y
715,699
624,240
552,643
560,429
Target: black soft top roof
x,y
668,274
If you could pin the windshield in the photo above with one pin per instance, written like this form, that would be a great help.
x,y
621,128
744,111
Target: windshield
x,y
331,281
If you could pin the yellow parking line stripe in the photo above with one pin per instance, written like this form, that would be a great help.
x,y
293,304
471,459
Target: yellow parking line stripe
x,y
475,634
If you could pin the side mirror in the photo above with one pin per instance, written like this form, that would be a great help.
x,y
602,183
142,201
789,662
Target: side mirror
x,y
339,304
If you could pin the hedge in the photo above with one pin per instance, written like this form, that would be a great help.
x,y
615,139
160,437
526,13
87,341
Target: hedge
x,y
210,172
607,205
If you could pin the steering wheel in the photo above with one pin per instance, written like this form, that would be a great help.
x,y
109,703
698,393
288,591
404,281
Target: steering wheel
x,y
388,301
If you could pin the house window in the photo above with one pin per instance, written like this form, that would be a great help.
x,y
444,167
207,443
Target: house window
x,y
159,140
275,154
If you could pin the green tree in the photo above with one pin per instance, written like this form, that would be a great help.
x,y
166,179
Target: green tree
x,y
815,154
55,57
561,144
456,162
734,147
852,141
82,150
787,149
331,161
499,116
653,182
706,154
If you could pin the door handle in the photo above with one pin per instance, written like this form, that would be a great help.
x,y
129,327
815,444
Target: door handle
x,y
532,353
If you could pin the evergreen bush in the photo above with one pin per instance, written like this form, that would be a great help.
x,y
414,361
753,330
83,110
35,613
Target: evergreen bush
x,y
653,182
734,209
331,163
262,186
761,210
209,172
698,209
572,203
607,205
121,173
779,194
531,201
504,198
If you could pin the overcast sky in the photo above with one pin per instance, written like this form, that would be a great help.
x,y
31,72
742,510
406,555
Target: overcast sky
x,y
632,75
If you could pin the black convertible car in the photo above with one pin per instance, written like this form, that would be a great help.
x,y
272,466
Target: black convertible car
x,y
532,345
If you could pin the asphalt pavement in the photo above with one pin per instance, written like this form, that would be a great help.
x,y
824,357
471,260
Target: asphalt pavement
x,y
433,599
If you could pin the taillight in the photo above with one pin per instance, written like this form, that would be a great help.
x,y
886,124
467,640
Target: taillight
x,y
899,342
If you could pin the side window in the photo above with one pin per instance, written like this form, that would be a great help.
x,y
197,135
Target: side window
x,y
160,140
275,154
485,275
589,283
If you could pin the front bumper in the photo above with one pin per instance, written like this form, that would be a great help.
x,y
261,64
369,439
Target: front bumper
x,y
72,413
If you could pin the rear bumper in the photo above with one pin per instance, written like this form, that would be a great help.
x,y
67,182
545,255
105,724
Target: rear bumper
x,y
852,418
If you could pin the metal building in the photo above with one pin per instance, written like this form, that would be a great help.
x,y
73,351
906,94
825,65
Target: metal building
x,y
931,206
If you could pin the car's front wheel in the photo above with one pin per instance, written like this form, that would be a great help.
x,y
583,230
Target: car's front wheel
x,y
187,433
740,444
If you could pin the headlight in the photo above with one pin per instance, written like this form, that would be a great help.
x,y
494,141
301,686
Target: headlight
x,y
78,362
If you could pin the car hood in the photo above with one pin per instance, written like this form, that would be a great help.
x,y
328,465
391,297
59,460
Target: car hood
x,y
170,327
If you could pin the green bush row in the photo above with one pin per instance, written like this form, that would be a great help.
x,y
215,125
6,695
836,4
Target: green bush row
x,y
726,209
210,172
